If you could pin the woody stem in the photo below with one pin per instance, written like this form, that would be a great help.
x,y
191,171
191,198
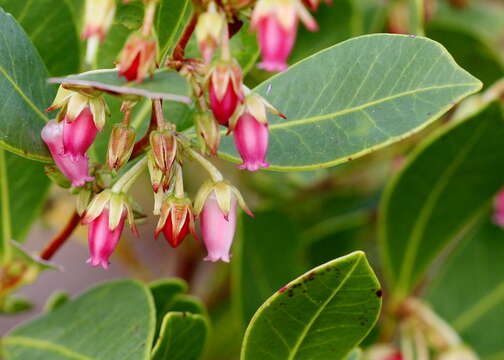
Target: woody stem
x,y
56,242
179,49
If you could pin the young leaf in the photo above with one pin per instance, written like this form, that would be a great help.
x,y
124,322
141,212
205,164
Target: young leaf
x,y
265,258
23,188
356,97
54,35
473,276
321,315
163,84
164,292
439,194
113,321
24,93
182,337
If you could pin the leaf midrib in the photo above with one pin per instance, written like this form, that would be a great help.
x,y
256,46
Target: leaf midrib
x,y
5,207
44,345
319,311
364,106
22,94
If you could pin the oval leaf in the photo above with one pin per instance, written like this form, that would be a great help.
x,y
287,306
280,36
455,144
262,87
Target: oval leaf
x,y
478,314
356,97
182,337
439,194
24,92
321,315
70,331
55,37
163,84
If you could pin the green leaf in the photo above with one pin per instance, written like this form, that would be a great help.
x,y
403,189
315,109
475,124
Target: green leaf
x,y
164,292
356,97
183,337
439,194
187,303
56,299
265,258
322,315
111,321
54,35
24,92
473,276
23,188
164,84
171,18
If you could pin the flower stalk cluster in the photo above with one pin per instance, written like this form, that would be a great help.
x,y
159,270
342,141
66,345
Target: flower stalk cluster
x,y
224,105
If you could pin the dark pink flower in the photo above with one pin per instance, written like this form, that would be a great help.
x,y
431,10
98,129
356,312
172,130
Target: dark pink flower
x,y
76,168
79,134
217,229
103,240
223,107
251,140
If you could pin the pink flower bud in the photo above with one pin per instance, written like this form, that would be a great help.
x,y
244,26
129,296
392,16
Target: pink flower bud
x,y
217,230
251,140
223,107
78,135
498,216
103,240
73,167
138,58
275,42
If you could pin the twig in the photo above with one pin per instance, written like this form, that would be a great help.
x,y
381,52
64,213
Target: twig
x,y
61,238
179,49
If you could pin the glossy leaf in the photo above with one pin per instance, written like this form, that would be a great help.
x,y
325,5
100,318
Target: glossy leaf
x,y
70,331
23,187
54,36
322,315
356,97
438,195
478,312
265,258
164,84
183,337
24,93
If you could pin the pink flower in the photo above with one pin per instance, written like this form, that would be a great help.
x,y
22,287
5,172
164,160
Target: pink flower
x,y
217,229
103,240
138,58
276,43
176,220
251,140
225,90
76,168
79,134
498,216
223,107
276,22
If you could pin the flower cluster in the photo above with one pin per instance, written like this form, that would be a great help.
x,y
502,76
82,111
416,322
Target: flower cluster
x,y
222,101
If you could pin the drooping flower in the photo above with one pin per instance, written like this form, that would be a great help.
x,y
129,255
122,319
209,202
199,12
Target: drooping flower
x,y
209,31
176,220
276,22
250,131
75,168
105,216
79,134
225,90
216,205
498,216
99,15
138,57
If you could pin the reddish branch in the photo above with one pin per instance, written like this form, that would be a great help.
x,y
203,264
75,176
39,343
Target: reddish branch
x,y
143,143
179,50
61,238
